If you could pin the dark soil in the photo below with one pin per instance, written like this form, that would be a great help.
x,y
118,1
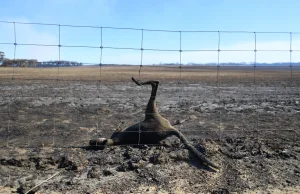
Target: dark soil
x,y
251,132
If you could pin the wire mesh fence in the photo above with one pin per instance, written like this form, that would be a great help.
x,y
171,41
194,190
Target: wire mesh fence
x,y
87,85
64,107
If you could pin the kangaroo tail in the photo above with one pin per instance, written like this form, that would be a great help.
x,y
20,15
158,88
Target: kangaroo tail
x,y
194,150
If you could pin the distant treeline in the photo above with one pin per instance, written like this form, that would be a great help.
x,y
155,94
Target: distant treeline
x,y
35,63
19,63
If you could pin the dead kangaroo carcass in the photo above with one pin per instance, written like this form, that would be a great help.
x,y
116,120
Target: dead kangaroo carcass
x,y
153,129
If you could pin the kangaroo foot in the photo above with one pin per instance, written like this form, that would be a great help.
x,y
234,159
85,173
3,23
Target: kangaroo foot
x,y
99,141
138,82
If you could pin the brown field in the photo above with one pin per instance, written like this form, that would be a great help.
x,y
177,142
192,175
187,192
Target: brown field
x,y
122,73
250,129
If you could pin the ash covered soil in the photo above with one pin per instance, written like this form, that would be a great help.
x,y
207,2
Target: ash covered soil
x,y
251,132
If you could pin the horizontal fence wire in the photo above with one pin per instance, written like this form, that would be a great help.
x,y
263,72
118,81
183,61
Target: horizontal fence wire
x,y
153,49
140,72
138,29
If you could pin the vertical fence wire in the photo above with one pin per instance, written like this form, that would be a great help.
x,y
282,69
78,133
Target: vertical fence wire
x,y
101,55
276,93
9,120
54,121
59,45
291,62
255,98
291,88
254,64
218,86
13,83
142,52
55,93
180,77
15,50
140,70
99,83
180,64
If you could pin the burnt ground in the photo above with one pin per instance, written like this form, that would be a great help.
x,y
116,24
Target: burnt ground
x,y
251,131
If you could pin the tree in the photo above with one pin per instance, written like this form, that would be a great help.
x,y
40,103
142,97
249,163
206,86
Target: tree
x,y
19,62
1,57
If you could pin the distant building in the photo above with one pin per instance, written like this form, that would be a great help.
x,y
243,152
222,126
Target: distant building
x,y
1,57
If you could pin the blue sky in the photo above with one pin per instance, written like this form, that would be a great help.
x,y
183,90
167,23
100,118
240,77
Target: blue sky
x,y
183,15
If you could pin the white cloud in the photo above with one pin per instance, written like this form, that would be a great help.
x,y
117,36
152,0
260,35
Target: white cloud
x,y
29,34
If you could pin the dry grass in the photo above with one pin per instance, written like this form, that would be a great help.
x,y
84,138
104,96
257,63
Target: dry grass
x,y
123,73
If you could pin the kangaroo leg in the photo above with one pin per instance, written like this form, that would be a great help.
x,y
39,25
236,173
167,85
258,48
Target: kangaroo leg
x,y
151,106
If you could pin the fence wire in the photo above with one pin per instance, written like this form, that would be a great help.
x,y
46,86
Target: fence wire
x,y
100,85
